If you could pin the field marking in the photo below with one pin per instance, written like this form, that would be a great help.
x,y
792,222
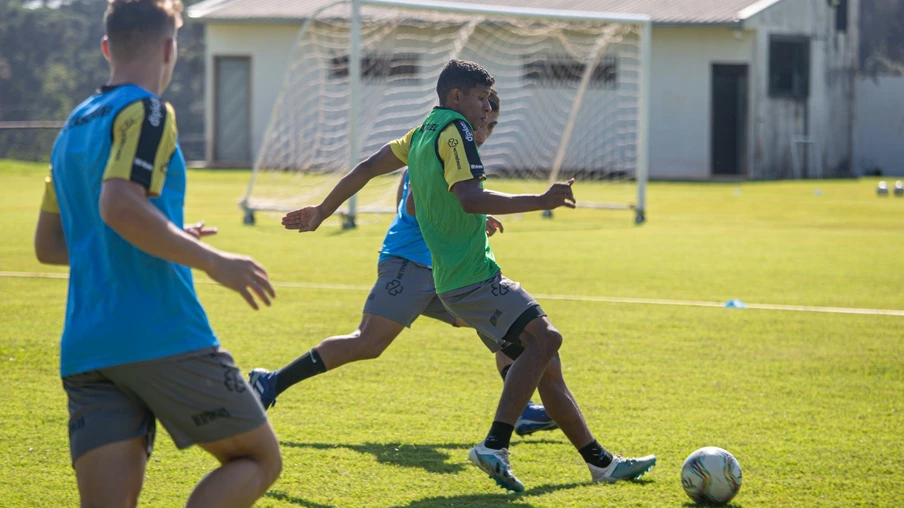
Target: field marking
x,y
573,298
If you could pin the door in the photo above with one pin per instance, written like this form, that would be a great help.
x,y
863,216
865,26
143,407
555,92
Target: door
x,y
729,120
232,113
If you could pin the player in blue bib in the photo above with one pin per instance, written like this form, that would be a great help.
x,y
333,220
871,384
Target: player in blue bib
x,y
404,290
136,345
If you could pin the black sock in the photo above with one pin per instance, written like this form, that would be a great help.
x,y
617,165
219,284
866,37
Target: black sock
x,y
499,437
504,371
305,366
596,454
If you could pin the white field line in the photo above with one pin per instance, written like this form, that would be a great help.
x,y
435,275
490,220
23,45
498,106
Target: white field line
x,y
573,298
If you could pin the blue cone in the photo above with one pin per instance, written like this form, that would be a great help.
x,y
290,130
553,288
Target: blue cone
x,y
735,304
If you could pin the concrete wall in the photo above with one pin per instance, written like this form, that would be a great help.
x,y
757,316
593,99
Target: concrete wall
x,y
269,48
681,101
827,115
879,126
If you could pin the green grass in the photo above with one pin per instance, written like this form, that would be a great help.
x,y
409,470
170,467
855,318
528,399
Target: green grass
x,y
811,404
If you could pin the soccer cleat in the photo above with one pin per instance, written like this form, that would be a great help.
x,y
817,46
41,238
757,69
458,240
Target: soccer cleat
x,y
534,419
496,464
264,384
622,468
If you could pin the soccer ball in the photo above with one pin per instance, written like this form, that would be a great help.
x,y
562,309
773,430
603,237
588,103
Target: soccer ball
x,y
711,475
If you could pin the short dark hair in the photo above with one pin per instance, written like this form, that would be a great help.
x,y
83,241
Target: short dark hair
x,y
463,75
494,99
129,24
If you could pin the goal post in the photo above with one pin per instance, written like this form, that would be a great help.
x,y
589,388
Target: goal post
x,y
573,85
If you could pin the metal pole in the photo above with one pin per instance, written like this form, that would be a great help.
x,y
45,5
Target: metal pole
x,y
354,88
643,119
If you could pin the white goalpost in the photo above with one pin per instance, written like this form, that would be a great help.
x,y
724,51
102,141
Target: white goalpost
x,y
573,86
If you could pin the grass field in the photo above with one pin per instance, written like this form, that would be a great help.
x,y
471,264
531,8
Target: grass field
x,y
811,404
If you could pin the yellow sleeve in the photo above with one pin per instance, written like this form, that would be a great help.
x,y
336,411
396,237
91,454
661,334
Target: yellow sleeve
x,y
144,140
49,202
401,146
458,153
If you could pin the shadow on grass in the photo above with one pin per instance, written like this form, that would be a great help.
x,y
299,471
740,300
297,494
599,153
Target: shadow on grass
x,y
282,496
433,458
490,500
691,504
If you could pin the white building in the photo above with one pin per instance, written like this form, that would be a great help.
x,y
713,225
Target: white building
x,y
739,88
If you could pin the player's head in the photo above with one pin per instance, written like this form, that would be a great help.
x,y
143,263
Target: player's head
x,y
143,32
481,134
464,87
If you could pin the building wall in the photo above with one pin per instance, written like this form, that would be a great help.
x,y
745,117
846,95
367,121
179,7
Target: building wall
x,y
269,48
827,115
879,126
681,100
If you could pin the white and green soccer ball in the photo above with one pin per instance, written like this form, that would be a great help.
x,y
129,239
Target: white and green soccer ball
x,y
711,475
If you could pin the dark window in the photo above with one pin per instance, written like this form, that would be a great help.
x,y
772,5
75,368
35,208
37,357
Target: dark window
x,y
789,67
377,67
549,71
841,15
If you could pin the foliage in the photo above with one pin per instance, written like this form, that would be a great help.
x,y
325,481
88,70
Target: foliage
x,y
50,60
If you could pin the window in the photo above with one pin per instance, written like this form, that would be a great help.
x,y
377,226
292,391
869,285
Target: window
x,y
789,67
377,67
841,15
549,71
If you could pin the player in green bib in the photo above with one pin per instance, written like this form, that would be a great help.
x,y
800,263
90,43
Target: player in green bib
x,y
451,206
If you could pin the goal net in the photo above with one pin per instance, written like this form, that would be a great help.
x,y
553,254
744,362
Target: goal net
x,y
571,86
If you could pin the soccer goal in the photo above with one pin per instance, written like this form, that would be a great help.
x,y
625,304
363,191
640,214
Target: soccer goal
x,y
573,87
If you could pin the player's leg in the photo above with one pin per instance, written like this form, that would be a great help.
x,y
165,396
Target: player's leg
x,y
563,408
201,398
112,475
249,464
110,439
534,418
402,291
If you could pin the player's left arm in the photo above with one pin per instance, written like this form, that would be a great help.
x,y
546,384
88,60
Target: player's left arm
x,y
464,173
50,242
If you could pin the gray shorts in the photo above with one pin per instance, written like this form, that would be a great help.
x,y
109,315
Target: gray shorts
x,y
498,308
405,290
199,397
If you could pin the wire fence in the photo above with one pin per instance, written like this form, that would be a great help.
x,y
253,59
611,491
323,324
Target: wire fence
x,y
33,140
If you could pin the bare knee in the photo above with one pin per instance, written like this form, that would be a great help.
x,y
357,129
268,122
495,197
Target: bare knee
x,y
549,341
371,342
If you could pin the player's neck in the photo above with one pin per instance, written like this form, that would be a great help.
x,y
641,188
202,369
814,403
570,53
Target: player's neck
x,y
138,74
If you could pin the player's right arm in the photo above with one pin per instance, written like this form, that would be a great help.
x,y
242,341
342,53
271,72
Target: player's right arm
x,y
142,148
390,157
50,242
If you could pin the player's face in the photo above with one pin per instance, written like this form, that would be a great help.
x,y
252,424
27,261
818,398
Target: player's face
x,y
475,105
481,134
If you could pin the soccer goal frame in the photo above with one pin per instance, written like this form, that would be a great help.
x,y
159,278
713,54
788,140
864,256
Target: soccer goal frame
x,y
643,22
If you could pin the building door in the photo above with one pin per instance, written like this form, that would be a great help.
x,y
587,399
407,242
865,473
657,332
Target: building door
x,y
232,113
729,120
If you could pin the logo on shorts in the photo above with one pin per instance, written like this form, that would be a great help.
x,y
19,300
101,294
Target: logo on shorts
x,y
499,289
394,287
76,425
205,417
495,317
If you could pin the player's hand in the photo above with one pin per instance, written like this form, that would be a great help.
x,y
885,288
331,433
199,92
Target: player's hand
x,y
199,231
244,276
304,219
559,194
493,224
